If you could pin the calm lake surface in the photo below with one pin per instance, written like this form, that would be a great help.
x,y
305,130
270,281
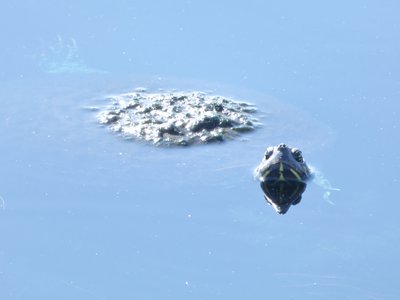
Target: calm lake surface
x,y
88,215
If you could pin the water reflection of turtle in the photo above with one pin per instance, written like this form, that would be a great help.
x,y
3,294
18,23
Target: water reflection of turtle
x,y
283,175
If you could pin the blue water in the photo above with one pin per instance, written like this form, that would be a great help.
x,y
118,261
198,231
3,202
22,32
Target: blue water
x,y
87,215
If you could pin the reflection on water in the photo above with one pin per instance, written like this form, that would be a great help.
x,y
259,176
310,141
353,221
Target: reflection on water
x,y
63,57
2,203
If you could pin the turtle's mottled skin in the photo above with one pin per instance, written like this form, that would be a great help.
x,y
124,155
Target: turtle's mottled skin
x,y
178,118
283,175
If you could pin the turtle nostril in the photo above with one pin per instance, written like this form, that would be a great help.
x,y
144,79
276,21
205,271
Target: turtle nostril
x,y
281,146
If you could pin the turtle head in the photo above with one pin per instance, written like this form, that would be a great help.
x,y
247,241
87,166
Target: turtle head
x,y
283,174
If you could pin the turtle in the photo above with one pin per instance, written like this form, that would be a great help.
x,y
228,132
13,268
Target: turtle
x,y
283,176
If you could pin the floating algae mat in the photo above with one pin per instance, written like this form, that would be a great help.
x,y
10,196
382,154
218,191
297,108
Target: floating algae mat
x,y
178,118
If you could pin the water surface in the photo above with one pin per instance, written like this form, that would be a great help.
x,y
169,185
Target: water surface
x,y
88,215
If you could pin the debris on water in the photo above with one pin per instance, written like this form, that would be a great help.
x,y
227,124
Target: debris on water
x,y
178,118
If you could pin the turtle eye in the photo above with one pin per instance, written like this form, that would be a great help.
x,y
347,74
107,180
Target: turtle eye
x,y
268,153
297,155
